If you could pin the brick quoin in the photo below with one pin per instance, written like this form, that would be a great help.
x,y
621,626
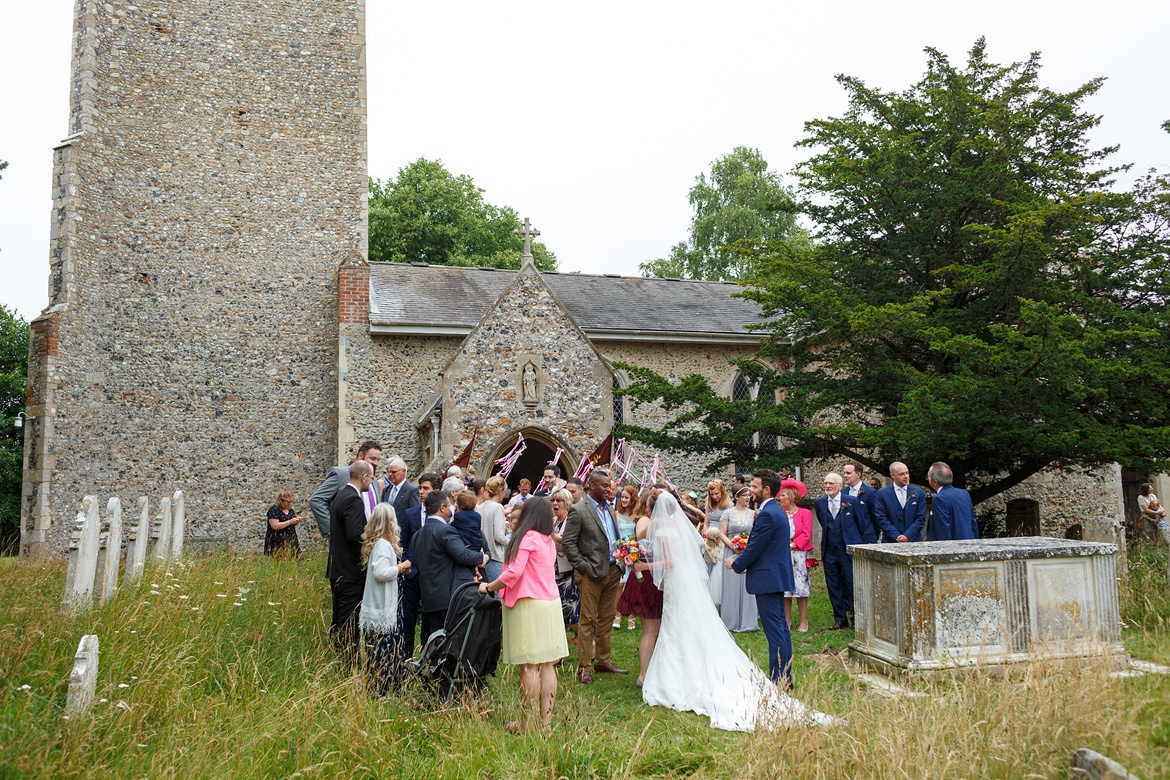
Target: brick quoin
x,y
353,295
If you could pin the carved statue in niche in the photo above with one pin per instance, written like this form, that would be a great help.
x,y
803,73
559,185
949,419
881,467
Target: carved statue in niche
x,y
529,383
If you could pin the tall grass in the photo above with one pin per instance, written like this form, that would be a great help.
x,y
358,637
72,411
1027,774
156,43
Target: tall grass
x,y
221,669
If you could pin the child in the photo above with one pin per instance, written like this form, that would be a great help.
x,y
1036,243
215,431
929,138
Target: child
x,y
379,615
467,521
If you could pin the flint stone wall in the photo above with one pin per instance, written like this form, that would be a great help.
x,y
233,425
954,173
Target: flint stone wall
x,y
214,179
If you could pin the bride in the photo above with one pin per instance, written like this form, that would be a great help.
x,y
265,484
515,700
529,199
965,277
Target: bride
x,y
696,665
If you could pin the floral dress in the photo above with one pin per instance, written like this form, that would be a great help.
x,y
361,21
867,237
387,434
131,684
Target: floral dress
x,y
738,609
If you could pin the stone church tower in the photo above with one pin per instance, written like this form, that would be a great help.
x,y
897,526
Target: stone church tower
x,y
212,182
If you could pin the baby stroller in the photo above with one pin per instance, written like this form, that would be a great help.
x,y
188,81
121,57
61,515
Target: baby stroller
x,y
459,658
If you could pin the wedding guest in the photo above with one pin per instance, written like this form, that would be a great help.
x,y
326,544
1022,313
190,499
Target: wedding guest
x,y
322,498
551,481
347,521
717,503
624,504
379,618
533,636
800,522
898,509
590,533
560,502
523,493
408,586
642,597
397,489
453,486
467,521
493,524
739,611
1153,513
876,482
280,535
443,562
575,487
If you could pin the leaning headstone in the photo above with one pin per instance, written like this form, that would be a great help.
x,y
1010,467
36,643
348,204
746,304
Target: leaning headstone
x,y
179,504
109,570
1091,765
83,678
136,551
162,543
83,556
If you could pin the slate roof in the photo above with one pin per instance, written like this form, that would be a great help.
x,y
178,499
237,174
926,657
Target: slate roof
x,y
404,295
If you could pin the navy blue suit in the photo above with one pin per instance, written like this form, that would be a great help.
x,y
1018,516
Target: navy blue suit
x,y
864,494
409,523
894,520
952,516
848,527
767,559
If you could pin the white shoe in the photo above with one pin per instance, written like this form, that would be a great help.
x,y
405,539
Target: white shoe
x,y
617,622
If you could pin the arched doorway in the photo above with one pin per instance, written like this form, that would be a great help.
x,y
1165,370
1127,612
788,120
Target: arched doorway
x,y
539,450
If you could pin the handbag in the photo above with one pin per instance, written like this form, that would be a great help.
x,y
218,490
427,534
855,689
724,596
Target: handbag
x,y
811,562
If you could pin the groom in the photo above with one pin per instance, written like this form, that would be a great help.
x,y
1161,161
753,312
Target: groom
x,y
768,564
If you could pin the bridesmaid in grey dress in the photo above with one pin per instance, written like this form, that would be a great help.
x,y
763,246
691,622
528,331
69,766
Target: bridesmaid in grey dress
x,y
739,611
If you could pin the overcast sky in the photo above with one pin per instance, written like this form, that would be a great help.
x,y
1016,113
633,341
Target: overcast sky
x,y
594,120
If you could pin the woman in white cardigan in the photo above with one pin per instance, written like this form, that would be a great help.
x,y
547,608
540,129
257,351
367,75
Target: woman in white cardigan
x,y
379,615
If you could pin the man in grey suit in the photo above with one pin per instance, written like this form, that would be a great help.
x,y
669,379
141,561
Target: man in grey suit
x,y
590,533
370,452
399,491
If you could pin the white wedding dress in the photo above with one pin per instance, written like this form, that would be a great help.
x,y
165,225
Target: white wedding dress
x,y
696,665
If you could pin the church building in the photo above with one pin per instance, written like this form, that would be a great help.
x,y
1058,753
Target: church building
x,y
214,324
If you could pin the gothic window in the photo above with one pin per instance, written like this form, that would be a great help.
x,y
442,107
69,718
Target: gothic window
x,y
742,390
619,402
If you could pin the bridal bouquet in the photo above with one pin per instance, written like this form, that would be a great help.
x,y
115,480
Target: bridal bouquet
x,y
739,542
627,552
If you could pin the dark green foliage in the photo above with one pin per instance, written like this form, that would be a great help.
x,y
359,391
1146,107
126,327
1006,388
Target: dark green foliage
x,y
429,215
13,378
980,292
742,201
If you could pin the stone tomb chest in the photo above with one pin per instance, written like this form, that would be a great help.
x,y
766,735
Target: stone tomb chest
x,y
934,605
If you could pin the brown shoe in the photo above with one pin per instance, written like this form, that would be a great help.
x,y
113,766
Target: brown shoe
x,y
584,677
608,668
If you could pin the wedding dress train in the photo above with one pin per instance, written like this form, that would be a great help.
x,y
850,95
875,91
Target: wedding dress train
x,y
696,665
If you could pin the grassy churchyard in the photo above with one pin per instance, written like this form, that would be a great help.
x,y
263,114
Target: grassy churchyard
x,y
218,667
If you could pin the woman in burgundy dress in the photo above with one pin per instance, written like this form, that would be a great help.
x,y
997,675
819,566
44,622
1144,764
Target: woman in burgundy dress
x,y
643,599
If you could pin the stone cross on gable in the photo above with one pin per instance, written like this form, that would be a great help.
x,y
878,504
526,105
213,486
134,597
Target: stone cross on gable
x,y
527,232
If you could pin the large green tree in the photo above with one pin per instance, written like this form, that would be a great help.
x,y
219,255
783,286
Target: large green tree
x,y
740,202
981,292
13,378
429,215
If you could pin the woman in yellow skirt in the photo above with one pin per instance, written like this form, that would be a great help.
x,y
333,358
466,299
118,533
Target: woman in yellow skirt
x,y
534,630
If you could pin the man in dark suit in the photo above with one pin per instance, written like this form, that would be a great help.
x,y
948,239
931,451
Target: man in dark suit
x,y
900,508
768,565
952,515
347,519
399,491
842,524
590,533
855,486
408,586
370,452
443,562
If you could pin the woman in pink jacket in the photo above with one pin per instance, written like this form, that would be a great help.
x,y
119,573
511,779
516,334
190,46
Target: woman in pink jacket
x,y
534,631
800,525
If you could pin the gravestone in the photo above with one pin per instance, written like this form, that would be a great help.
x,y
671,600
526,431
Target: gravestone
x,y
109,568
927,606
83,678
136,551
162,543
1091,765
178,529
83,556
